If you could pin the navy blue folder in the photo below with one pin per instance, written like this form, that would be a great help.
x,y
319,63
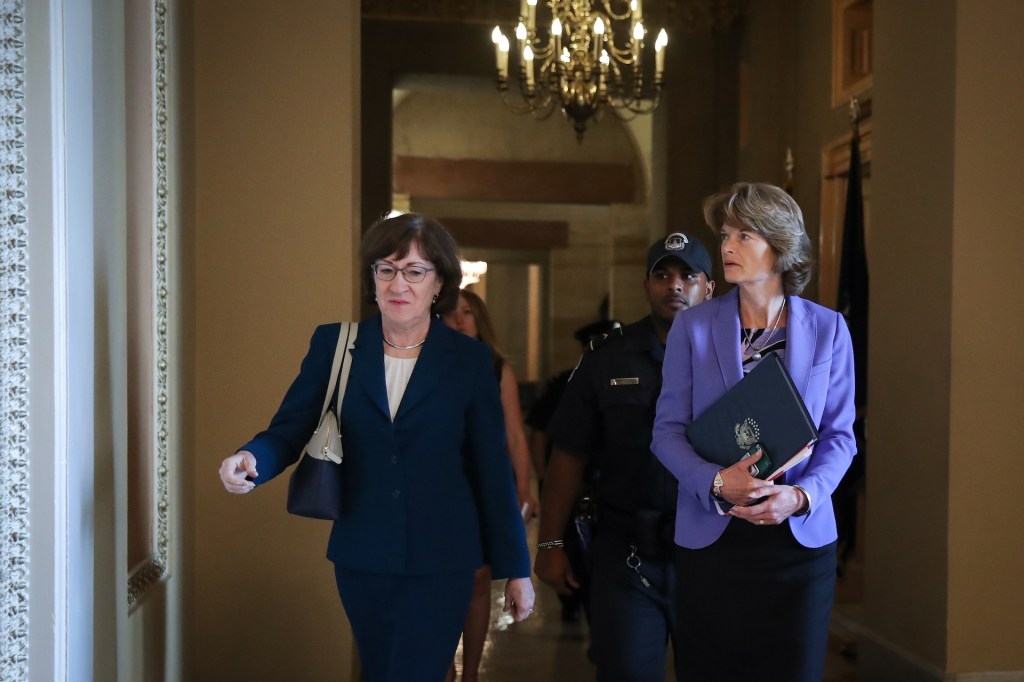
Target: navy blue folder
x,y
764,410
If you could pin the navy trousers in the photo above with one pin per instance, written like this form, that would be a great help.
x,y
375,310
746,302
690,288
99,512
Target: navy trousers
x,y
630,623
406,627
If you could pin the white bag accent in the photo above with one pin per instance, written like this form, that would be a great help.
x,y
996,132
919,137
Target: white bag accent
x,y
325,443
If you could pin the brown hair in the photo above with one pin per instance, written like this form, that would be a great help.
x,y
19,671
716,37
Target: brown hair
x,y
394,236
484,326
772,213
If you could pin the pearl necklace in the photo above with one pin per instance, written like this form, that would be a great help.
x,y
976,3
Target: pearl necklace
x,y
748,334
396,346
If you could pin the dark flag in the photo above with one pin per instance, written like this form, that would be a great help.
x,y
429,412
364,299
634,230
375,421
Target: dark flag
x,y
853,272
853,304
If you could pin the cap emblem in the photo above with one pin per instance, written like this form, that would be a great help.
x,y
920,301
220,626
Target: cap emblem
x,y
676,241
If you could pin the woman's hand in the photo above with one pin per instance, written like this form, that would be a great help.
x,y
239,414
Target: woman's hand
x,y
529,507
235,468
739,487
519,598
781,502
553,568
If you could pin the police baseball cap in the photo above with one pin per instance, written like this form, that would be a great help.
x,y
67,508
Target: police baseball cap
x,y
687,249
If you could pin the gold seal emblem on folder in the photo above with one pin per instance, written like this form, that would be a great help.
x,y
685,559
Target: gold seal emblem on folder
x,y
747,433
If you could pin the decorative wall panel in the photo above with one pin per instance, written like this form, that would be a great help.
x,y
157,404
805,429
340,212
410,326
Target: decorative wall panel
x,y
14,282
156,567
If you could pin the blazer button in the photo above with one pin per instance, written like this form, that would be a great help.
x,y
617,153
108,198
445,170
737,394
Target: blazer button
x,y
396,493
394,459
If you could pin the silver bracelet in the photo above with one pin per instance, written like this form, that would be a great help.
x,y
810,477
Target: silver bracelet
x,y
550,544
807,510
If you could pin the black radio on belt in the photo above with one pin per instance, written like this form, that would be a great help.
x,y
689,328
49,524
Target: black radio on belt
x,y
654,533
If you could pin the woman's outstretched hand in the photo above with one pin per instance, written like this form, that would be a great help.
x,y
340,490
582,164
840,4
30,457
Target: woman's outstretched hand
x,y
234,469
519,598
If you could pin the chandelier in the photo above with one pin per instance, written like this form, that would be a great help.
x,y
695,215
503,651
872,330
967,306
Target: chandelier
x,y
592,56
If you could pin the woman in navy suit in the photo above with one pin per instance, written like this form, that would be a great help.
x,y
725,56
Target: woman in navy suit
x,y
429,495
756,583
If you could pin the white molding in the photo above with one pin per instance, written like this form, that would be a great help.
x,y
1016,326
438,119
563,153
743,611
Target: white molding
x,y
14,358
61,340
156,568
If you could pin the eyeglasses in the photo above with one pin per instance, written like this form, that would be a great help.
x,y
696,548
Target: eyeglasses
x,y
411,273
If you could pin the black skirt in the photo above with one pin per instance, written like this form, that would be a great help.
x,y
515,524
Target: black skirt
x,y
754,605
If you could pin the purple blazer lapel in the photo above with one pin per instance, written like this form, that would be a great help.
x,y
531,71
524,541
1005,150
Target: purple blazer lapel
x,y
801,334
725,334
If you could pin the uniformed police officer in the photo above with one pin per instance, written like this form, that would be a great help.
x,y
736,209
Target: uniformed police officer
x,y
607,413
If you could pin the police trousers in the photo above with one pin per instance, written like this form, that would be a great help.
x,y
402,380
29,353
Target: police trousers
x,y
631,622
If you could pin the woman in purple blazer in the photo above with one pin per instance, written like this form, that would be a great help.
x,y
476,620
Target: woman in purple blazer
x,y
756,583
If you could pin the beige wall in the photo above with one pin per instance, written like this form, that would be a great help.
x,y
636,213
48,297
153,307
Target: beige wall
x,y
909,374
276,171
769,91
440,118
986,600
943,563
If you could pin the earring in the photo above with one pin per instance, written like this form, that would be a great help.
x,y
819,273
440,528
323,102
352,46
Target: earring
x,y
435,299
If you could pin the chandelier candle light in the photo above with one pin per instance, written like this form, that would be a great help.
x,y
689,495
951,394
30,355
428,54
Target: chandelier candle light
x,y
588,59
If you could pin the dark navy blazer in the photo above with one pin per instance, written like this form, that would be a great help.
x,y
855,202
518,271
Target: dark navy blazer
x,y
431,492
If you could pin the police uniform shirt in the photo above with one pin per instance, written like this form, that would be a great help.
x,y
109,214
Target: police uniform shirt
x,y
607,413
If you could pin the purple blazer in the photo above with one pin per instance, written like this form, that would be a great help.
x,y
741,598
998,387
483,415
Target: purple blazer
x,y
702,361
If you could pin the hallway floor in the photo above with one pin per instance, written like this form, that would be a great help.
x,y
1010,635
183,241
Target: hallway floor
x,y
543,649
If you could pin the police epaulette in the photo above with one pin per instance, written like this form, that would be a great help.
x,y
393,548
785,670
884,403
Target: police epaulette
x,y
599,341
594,344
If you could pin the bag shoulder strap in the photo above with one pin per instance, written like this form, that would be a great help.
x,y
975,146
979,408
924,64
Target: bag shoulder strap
x,y
346,340
350,343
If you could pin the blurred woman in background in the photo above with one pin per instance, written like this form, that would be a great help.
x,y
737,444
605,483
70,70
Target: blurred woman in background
x,y
471,318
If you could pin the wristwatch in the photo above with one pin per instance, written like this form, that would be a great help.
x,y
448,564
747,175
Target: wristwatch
x,y
716,489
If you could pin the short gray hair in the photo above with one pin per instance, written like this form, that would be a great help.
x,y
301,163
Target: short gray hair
x,y
772,213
